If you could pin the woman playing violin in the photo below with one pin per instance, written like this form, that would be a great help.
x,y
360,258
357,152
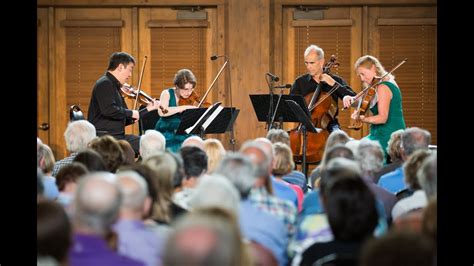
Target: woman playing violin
x,y
184,84
385,105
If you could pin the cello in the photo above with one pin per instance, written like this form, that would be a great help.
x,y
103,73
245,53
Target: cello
x,y
322,112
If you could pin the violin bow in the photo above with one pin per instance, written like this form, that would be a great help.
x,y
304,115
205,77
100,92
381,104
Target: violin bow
x,y
212,83
139,83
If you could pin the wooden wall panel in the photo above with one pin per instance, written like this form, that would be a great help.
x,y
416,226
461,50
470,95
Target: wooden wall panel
x,y
249,43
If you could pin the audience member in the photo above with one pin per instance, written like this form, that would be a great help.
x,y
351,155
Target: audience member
x,y
151,142
96,207
78,134
215,151
45,157
91,159
53,233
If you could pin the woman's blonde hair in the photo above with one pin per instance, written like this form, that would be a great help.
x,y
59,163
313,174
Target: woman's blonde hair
x,y
367,61
215,151
283,159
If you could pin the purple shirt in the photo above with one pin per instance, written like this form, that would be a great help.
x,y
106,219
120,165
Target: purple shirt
x,y
91,250
139,242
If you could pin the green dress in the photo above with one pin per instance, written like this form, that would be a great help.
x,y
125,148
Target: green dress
x,y
395,120
168,126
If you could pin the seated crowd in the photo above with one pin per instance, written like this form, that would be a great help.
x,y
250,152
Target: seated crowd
x,y
205,205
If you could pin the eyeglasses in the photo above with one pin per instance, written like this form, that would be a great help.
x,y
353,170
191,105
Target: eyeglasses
x,y
186,89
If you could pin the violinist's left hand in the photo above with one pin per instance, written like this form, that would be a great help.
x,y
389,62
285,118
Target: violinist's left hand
x,y
327,79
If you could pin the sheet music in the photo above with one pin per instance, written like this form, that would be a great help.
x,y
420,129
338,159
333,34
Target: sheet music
x,y
191,128
212,117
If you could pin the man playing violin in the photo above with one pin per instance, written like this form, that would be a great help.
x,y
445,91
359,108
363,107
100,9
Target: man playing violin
x,y
307,83
184,84
108,111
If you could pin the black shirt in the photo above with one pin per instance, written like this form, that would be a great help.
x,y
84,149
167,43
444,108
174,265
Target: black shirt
x,y
305,84
108,111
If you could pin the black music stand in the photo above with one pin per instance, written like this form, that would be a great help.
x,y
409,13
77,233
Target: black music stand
x,y
212,120
148,120
304,117
283,113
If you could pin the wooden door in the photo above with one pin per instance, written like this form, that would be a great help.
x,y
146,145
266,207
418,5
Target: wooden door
x,y
83,40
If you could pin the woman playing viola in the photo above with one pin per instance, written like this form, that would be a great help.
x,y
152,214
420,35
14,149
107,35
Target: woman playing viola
x,y
184,84
386,105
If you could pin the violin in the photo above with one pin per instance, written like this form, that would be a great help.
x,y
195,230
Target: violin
x,y
364,103
130,92
193,99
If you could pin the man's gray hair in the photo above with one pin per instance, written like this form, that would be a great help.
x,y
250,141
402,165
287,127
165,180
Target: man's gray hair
x,y
78,134
216,191
151,143
314,48
134,194
370,156
415,138
265,163
239,170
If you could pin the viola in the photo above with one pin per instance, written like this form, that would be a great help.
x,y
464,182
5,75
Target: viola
x,y
130,92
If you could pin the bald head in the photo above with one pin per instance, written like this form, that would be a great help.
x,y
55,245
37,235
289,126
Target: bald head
x,y
134,190
266,146
194,141
204,237
260,159
97,202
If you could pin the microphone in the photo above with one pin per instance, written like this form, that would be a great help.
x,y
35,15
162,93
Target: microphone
x,y
286,86
274,77
214,57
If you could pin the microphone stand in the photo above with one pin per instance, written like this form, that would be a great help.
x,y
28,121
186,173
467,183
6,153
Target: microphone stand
x,y
232,110
276,108
270,109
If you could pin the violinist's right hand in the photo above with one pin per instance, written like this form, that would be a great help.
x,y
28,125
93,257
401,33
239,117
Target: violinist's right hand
x,y
153,105
135,115
347,101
